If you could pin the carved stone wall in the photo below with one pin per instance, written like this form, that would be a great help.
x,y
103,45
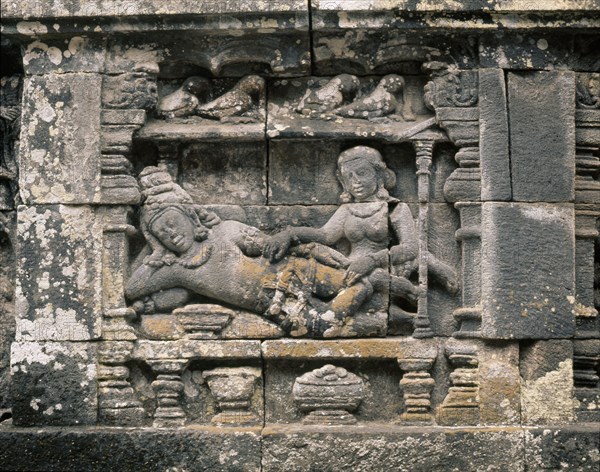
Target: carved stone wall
x,y
300,235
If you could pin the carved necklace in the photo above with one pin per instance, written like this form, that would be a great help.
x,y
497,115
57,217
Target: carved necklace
x,y
366,210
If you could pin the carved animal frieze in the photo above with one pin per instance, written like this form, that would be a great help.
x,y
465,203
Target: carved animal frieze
x,y
242,103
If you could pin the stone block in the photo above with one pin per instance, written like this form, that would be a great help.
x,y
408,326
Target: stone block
x,y
526,51
528,276
542,135
563,448
378,447
546,369
493,136
499,384
59,153
226,173
303,173
58,294
74,54
53,383
131,450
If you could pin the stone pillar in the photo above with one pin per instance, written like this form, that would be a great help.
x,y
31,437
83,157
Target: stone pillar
x,y
586,379
468,315
416,359
424,150
115,262
125,99
461,404
586,233
587,202
117,403
168,388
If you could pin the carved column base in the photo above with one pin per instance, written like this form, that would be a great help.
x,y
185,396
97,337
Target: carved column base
x,y
469,321
115,325
417,386
168,387
461,405
117,403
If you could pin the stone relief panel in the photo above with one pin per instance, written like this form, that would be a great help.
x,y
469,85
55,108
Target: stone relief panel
x,y
281,249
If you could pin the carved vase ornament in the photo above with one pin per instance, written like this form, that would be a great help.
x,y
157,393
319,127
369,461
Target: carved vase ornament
x,y
329,395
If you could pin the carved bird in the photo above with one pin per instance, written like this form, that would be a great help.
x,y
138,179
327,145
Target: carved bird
x,y
184,100
380,102
329,96
239,100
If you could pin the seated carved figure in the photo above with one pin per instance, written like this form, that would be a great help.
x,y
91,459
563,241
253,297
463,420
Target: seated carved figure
x,y
306,293
364,220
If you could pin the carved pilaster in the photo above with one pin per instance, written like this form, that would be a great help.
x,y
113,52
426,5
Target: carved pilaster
x,y
117,402
417,385
468,315
586,379
115,256
452,94
587,201
125,100
461,405
424,151
168,387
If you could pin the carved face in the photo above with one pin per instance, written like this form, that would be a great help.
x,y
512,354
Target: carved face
x,y
360,179
174,230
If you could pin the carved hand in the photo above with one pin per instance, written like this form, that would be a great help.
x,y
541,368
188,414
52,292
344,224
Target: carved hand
x,y
207,218
9,113
277,246
358,269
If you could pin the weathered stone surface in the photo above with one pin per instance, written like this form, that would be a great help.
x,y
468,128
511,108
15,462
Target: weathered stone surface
x,y
130,450
264,171
7,292
53,383
546,369
562,448
213,174
205,349
58,294
59,156
493,136
74,54
542,135
527,269
381,447
301,174
532,51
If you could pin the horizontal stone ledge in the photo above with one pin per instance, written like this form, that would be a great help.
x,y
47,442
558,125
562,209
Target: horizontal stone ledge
x,y
333,349
196,349
158,8
455,6
299,447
